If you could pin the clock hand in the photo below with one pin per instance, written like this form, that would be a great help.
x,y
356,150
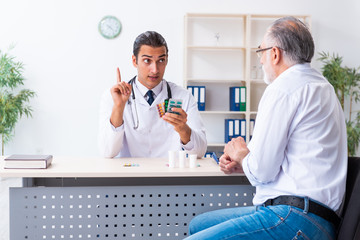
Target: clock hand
x,y
110,27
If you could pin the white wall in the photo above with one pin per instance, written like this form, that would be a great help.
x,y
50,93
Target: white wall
x,y
69,64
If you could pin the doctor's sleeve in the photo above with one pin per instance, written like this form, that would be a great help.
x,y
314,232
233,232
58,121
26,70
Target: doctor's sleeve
x,y
197,144
110,139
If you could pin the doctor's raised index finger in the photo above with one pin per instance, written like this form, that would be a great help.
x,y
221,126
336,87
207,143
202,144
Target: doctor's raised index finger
x,y
118,75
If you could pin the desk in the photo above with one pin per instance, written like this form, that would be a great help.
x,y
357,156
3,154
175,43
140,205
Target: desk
x,y
98,198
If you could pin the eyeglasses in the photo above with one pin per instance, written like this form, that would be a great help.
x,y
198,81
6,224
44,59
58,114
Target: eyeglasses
x,y
260,51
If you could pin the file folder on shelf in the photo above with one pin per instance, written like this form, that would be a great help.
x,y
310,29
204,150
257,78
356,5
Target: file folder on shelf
x,y
252,125
236,128
202,97
199,93
242,98
191,90
237,97
215,155
196,94
229,130
234,97
243,128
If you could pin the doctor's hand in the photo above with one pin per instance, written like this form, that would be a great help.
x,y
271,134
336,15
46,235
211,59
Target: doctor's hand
x,y
236,150
228,166
120,93
179,123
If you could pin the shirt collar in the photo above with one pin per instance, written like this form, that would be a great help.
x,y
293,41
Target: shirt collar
x,y
143,90
299,66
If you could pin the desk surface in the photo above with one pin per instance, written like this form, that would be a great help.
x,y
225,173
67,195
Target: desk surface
x,y
106,167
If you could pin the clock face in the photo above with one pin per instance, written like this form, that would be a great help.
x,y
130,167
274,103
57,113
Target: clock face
x,y
109,27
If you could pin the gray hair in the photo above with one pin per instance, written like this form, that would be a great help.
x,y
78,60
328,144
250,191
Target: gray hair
x,y
294,38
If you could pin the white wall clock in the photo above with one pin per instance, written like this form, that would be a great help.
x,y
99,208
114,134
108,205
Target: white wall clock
x,y
110,27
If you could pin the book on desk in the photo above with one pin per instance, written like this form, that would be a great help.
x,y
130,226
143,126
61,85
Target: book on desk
x,y
25,161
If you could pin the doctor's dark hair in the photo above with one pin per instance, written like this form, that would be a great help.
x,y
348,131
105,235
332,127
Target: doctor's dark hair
x,y
294,38
149,38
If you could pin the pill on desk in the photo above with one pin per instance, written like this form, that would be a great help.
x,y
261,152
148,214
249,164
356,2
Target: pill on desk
x,y
131,165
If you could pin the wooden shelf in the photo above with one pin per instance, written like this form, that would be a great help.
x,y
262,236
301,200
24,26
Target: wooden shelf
x,y
217,48
203,80
222,112
220,53
216,145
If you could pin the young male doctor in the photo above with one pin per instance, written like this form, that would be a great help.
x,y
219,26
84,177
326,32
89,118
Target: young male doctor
x,y
130,125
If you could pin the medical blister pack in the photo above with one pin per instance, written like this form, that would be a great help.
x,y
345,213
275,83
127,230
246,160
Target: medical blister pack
x,y
166,106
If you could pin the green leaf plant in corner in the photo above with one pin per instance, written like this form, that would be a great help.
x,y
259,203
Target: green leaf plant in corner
x,y
346,83
13,100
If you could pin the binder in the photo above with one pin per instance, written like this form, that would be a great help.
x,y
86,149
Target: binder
x,y
213,155
199,93
229,130
234,97
252,125
242,98
191,90
202,97
236,128
196,94
243,128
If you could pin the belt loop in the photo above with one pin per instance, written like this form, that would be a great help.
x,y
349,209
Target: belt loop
x,y
306,205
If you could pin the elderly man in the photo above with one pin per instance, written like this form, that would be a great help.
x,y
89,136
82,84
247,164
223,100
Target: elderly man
x,y
297,158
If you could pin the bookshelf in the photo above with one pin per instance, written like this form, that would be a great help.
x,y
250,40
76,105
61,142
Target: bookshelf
x,y
219,53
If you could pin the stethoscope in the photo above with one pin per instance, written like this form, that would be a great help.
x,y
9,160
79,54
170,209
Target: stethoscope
x,y
136,123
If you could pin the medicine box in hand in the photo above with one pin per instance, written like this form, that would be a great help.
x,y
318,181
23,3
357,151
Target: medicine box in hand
x,y
174,103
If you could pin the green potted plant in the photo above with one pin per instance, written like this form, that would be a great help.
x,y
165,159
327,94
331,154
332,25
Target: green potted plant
x,y
346,82
13,101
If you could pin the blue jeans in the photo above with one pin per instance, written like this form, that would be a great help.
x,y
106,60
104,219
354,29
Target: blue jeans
x,y
259,222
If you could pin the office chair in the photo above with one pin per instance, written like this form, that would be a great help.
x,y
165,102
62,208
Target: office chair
x,y
350,225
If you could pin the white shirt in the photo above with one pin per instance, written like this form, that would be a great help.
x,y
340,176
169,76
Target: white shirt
x,y
299,144
143,90
154,137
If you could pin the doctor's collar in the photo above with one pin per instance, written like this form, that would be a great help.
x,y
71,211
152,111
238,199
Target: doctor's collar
x,y
143,90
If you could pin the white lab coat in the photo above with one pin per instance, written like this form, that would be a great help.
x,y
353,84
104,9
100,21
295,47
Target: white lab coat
x,y
154,137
